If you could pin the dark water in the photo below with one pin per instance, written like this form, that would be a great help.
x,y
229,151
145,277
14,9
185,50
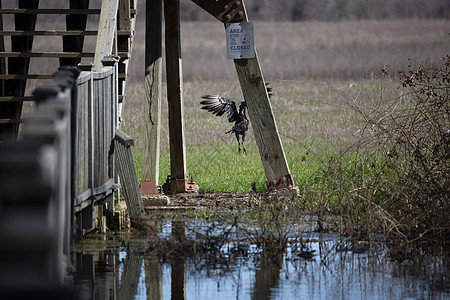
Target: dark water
x,y
134,265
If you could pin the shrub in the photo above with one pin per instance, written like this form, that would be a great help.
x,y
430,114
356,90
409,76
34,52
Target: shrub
x,y
418,134
397,184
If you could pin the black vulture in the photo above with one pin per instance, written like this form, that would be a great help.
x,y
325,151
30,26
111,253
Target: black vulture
x,y
219,105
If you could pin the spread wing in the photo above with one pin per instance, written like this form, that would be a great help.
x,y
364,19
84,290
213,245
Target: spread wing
x,y
219,105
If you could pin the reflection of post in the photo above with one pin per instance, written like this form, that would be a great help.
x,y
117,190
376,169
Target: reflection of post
x,y
178,264
85,273
267,277
153,278
130,276
106,290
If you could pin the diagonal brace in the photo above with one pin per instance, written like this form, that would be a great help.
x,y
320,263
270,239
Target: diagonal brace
x,y
224,10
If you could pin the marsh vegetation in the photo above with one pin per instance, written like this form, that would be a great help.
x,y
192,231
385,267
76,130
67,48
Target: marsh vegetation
x,y
361,107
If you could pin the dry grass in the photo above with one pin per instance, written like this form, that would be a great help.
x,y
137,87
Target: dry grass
x,y
310,50
317,71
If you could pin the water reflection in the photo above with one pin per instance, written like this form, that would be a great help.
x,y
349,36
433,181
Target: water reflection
x,y
179,265
267,278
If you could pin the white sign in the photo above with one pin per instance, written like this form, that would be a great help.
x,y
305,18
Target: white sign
x,y
240,40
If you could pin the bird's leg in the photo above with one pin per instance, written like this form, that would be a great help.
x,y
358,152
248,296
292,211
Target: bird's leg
x,y
242,142
239,143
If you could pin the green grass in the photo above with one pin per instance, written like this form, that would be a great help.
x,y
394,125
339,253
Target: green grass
x,y
218,167
316,121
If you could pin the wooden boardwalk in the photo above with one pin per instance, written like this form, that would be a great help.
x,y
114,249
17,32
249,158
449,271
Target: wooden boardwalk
x,y
59,179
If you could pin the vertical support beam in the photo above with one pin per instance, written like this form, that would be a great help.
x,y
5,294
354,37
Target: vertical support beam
x,y
18,65
152,105
106,31
175,95
262,120
74,22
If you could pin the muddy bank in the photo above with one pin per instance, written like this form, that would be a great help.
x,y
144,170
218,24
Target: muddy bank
x,y
215,201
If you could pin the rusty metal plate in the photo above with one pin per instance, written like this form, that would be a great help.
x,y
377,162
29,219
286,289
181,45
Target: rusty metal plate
x,y
280,183
225,11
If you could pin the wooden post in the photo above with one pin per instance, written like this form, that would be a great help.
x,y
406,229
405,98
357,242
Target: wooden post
x,y
259,108
175,95
153,78
106,31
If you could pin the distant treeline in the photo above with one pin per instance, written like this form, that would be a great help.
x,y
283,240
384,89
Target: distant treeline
x,y
330,10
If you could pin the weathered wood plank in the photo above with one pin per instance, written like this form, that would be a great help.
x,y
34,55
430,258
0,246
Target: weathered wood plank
x,y
123,23
152,105
127,173
175,89
83,152
103,125
124,20
124,43
261,117
106,31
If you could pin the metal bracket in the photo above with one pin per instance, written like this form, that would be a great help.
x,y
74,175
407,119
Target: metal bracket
x,y
179,185
280,183
225,11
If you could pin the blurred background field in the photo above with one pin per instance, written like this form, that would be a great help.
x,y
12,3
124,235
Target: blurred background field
x,y
319,72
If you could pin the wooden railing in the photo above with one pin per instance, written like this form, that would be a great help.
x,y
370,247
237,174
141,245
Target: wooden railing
x,y
36,212
96,123
62,166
